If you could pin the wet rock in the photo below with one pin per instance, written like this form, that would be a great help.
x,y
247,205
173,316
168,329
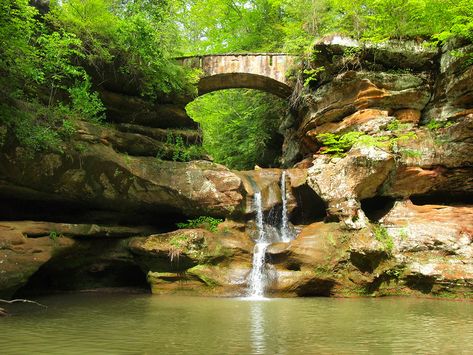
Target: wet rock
x,y
196,261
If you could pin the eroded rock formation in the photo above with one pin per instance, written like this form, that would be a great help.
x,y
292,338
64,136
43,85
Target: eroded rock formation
x,y
391,214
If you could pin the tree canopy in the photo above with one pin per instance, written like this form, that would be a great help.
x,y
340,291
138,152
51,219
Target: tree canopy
x,y
52,63
290,25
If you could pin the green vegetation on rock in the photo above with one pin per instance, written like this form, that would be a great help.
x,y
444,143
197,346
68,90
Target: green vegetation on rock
x,y
206,222
50,64
381,235
339,144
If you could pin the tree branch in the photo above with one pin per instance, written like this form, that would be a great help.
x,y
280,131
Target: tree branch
x,y
23,301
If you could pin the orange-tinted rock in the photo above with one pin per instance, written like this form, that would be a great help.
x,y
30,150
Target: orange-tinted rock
x,y
408,116
350,92
21,257
359,121
415,180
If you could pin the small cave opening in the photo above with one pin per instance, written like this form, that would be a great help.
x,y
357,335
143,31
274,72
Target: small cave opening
x,y
449,199
377,207
310,206
88,266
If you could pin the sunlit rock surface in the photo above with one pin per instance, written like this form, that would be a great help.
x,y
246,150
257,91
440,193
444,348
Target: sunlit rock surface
x,y
393,215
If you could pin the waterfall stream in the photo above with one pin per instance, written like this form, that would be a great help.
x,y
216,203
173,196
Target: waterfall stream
x,y
258,277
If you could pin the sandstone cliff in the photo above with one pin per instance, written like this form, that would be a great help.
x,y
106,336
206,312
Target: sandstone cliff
x,y
392,213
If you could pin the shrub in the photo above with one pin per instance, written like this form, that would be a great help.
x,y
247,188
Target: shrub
x,y
205,222
338,145
381,235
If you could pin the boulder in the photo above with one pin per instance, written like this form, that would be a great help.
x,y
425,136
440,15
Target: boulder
x,y
196,261
21,257
343,182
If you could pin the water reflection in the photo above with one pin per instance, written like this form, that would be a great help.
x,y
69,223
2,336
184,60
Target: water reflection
x,y
257,328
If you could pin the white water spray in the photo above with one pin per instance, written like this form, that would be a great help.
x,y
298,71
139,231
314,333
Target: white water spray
x,y
257,280
284,230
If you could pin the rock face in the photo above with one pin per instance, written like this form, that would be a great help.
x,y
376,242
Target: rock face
x,y
391,213
21,257
412,110
196,261
99,176
74,253
344,182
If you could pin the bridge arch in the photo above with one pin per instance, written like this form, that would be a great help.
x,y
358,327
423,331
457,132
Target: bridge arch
x,y
260,71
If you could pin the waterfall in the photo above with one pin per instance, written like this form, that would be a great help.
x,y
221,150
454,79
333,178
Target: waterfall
x,y
267,233
284,230
257,280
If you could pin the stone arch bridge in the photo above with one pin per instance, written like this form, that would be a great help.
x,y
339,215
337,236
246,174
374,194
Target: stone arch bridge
x,y
261,71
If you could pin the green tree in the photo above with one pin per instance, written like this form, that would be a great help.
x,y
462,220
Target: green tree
x,y
239,126
136,39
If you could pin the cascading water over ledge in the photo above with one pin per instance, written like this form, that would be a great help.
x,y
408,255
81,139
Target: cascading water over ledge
x,y
258,278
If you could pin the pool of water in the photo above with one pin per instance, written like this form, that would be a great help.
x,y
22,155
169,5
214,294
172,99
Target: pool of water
x,y
145,324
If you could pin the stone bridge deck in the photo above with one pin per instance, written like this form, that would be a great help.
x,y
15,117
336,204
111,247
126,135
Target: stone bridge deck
x,y
261,71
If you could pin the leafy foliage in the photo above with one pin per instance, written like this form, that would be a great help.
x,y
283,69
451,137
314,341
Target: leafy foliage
x,y
237,125
434,125
134,38
176,149
337,145
86,102
40,79
381,234
45,61
205,222
312,75
291,25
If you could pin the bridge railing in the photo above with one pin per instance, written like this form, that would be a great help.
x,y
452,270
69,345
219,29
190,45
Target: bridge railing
x,y
269,54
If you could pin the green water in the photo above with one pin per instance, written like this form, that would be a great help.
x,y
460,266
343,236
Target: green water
x,y
145,324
